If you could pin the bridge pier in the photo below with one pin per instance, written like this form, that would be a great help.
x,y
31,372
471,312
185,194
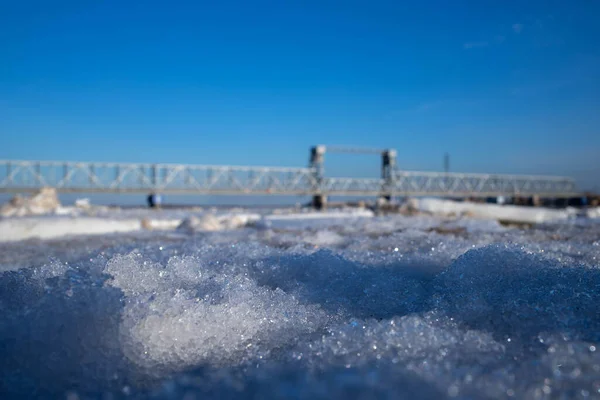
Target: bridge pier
x,y
319,202
154,200
388,166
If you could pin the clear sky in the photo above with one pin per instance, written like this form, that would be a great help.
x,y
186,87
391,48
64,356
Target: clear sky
x,y
503,86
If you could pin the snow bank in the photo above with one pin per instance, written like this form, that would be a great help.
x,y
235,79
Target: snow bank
x,y
508,213
14,229
46,202
49,228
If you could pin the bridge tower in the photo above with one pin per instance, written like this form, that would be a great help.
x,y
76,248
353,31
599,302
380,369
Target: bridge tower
x,y
317,158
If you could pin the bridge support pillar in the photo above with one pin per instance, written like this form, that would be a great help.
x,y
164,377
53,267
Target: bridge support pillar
x,y
319,202
388,166
154,200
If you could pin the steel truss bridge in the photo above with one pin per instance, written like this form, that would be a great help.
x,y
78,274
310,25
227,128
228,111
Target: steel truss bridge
x,y
92,177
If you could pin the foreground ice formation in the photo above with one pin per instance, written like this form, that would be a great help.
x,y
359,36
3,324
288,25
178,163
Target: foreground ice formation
x,y
376,308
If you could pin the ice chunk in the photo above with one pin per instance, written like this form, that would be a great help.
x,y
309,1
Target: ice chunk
x,y
186,313
593,212
207,222
44,201
83,203
211,222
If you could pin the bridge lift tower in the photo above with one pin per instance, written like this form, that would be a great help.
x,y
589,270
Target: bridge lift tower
x,y
317,159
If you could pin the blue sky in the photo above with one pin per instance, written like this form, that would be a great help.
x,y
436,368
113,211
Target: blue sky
x,y
503,86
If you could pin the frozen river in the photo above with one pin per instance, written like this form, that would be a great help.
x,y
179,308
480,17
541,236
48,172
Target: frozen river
x,y
284,307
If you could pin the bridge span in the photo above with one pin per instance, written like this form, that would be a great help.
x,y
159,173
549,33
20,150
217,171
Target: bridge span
x,y
98,177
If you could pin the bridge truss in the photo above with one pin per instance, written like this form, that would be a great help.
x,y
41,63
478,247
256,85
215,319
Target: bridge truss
x,y
88,177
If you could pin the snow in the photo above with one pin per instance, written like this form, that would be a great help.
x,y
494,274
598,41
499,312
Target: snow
x,y
50,228
312,219
593,212
355,213
210,222
83,203
15,229
160,224
508,213
239,305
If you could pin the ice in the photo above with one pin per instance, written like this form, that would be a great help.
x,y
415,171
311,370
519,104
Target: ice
x,y
524,292
508,213
211,222
355,307
324,238
325,215
593,212
45,201
205,223
83,203
95,220
49,228
15,229
312,219
160,224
